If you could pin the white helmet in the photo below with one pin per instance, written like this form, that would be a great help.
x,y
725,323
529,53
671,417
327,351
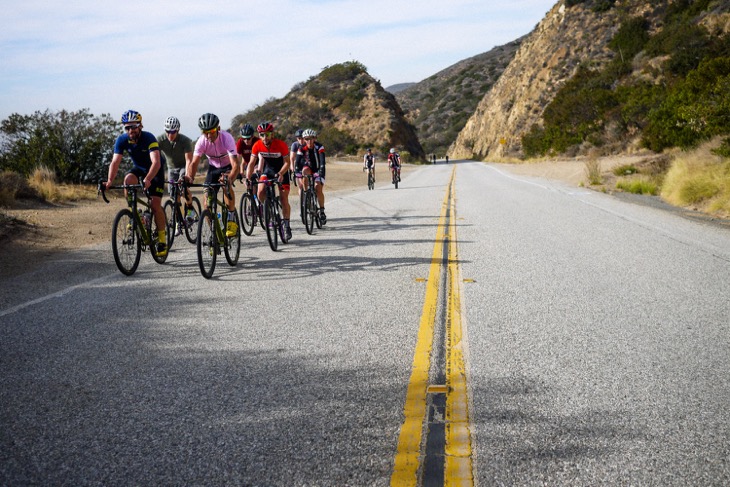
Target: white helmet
x,y
172,124
392,150
309,133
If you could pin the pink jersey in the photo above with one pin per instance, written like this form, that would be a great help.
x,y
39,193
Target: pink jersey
x,y
218,152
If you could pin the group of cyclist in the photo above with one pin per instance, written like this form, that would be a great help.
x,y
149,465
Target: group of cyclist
x,y
261,159
394,162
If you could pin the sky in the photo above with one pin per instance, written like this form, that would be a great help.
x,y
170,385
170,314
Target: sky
x,y
186,58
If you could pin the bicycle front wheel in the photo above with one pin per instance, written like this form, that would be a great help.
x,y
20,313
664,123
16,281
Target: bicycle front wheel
x,y
191,226
172,222
248,213
309,212
233,246
207,244
126,244
272,226
160,259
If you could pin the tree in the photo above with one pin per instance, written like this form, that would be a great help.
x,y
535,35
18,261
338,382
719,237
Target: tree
x,y
77,146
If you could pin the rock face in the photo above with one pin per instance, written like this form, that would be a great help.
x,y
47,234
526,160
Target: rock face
x,y
348,107
440,105
546,59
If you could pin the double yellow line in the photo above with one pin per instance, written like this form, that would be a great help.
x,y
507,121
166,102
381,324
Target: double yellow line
x,y
457,452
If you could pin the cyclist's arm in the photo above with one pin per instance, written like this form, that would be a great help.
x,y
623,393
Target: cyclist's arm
x,y
154,168
113,168
192,168
285,167
234,167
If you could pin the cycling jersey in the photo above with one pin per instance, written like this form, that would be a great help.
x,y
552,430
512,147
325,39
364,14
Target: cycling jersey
x,y
312,158
218,152
140,151
273,154
175,151
245,150
369,160
393,160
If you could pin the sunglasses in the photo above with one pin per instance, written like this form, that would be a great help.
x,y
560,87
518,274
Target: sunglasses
x,y
211,131
131,127
171,131
265,134
308,138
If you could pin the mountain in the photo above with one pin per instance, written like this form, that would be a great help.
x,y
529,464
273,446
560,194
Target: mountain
x,y
440,105
348,108
395,89
608,76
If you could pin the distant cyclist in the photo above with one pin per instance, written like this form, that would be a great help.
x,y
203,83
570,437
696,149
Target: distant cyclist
x,y
147,164
369,162
243,148
272,155
295,146
394,162
220,148
178,151
311,160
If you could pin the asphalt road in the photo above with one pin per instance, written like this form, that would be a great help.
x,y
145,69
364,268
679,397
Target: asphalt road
x,y
597,339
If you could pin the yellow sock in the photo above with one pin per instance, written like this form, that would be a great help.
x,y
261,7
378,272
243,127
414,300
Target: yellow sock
x,y
161,234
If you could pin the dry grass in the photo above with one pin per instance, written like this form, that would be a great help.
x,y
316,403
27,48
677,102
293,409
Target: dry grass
x,y
594,174
699,179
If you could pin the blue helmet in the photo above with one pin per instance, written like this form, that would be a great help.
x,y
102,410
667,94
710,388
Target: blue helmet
x,y
130,116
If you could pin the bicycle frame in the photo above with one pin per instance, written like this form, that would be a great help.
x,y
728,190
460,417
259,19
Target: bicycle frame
x,y
133,202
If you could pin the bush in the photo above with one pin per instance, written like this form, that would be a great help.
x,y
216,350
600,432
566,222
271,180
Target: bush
x,y
638,186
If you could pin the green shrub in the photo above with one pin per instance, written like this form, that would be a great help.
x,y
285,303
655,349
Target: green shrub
x,y
625,170
638,186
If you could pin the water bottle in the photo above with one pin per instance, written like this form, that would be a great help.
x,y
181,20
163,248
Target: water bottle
x,y
147,217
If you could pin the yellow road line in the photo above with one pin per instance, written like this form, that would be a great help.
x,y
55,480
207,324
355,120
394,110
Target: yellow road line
x,y
458,466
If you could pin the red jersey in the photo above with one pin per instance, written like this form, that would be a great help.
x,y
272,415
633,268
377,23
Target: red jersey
x,y
273,154
245,150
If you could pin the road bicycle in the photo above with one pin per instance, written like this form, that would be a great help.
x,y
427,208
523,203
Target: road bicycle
x,y
174,216
371,178
311,206
133,230
212,232
250,208
273,220
394,175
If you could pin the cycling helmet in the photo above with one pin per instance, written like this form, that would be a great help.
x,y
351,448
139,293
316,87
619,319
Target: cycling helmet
x,y
247,131
265,127
298,133
208,121
392,150
130,116
309,133
172,124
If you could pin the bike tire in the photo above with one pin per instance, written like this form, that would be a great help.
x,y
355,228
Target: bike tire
x,y
126,243
247,214
171,217
316,212
309,212
233,246
272,229
303,207
207,244
191,229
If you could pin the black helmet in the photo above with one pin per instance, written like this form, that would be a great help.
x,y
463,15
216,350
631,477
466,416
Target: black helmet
x,y
208,121
247,131
298,133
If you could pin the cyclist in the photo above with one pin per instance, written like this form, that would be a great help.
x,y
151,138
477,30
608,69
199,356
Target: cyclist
x,y
243,148
369,161
178,151
311,160
273,159
394,162
147,164
296,145
220,148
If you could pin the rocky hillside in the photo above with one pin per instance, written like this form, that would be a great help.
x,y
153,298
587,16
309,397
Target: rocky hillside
x,y
440,105
607,74
349,109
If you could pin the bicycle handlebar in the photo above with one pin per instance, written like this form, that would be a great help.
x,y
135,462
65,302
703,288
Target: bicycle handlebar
x,y
101,189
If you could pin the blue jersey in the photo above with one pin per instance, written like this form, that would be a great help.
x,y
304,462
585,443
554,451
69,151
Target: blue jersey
x,y
140,152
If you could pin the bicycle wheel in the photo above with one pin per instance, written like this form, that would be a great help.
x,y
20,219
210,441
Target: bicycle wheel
x,y
232,248
395,180
172,222
272,227
303,207
126,244
371,182
207,244
247,213
309,212
191,227
316,211
160,259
